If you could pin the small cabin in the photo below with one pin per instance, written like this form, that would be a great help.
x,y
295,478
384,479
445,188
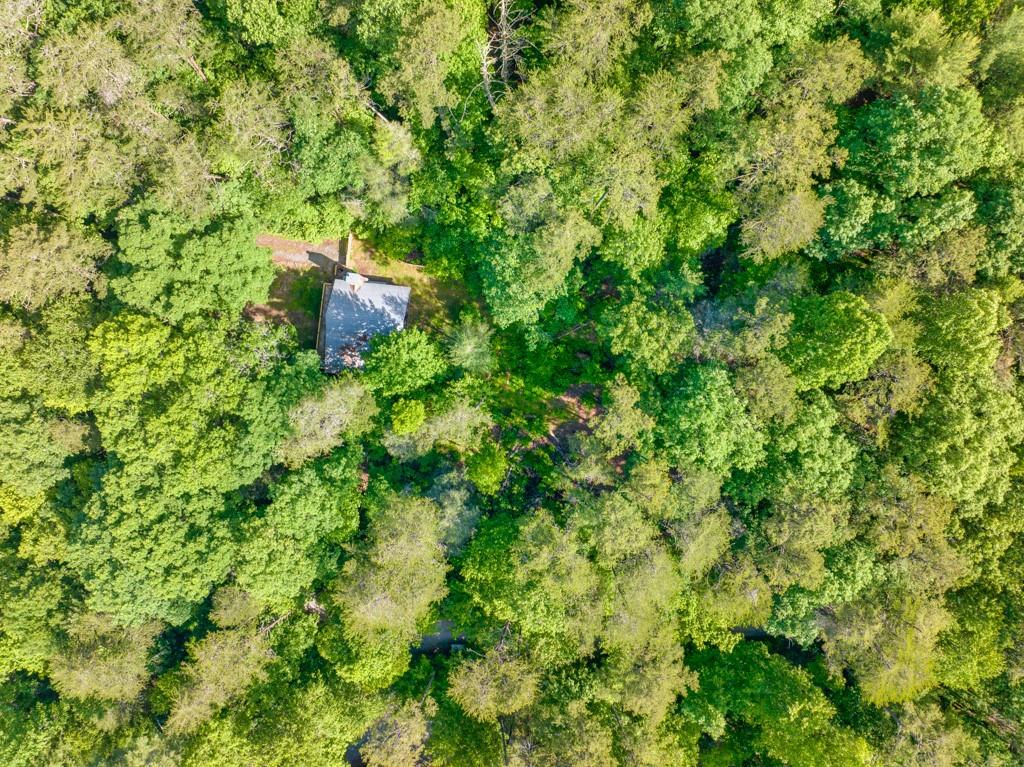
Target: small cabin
x,y
353,310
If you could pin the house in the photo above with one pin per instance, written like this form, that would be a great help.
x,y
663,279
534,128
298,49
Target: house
x,y
353,310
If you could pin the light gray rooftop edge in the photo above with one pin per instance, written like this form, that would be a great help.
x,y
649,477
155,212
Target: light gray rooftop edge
x,y
352,318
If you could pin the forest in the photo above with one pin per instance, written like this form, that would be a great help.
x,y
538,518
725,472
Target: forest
x,y
713,453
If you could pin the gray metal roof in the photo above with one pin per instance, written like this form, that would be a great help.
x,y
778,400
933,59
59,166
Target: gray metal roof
x,y
353,317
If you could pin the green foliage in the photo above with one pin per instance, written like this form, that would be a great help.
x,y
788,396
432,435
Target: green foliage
x,y
526,272
139,547
314,722
927,736
623,425
920,52
199,397
1001,60
531,573
703,446
407,416
102,660
286,548
705,423
461,425
221,666
917,146
790,146
889,642
958,330
342,410
973,648
834,339
434,42
962,441
456,739
403,362
496,685
470,346
36,447
459,512
57,366
487,467
266,21
168,403
809,458
33,601
792,720
42,260
177,268
60,733
387,588
652,334
398,737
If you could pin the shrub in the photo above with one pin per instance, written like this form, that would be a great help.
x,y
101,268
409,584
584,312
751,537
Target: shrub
x,y
403,362
407,416
487,467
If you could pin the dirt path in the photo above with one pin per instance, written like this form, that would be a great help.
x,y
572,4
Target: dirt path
x,y
567,416
294,253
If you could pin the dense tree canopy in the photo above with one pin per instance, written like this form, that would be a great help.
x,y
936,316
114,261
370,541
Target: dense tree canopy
x,y
702,444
